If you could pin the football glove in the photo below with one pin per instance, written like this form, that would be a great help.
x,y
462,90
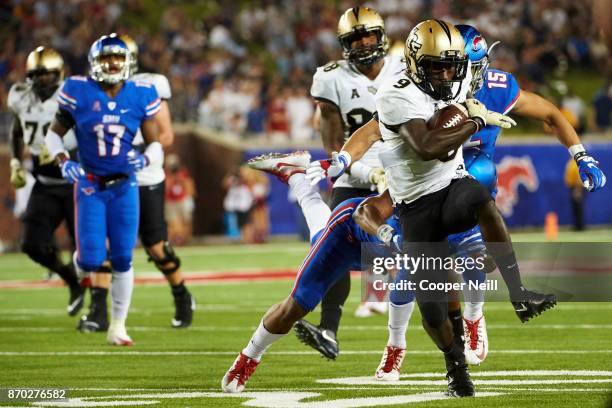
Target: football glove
x,y
72,171
334,167
18,175
377,177
138,161
591,175
477,109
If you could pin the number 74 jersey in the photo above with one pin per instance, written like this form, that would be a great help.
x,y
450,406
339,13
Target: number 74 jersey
x,y
342,85
105,127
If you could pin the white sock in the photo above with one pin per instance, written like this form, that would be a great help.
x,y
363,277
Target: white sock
x,y
121,293
313,207
399,316
260,341
472,310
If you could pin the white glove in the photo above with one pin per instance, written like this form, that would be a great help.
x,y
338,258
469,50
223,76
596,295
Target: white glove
x,y
334,167
477,109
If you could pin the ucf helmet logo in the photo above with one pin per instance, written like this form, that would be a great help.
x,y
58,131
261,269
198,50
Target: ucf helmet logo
x,y
414,46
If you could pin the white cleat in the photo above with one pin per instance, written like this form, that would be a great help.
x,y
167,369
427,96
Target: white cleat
x,y
390,364
117,336
239,373
281,165
368,309
476,340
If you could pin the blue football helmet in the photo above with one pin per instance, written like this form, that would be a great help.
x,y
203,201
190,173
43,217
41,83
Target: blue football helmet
x,y
478,52
99,70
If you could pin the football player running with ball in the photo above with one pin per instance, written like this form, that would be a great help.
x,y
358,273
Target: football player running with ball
x,y
106,111
345,93
34,103
428,183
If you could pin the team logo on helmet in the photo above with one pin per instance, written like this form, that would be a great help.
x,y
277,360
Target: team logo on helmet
x,y
513,172
478,43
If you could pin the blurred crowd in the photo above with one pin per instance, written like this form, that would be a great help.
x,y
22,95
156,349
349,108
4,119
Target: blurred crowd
x,y
245,67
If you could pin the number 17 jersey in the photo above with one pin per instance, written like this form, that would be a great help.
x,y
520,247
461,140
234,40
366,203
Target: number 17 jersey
x,y
105,127
343,85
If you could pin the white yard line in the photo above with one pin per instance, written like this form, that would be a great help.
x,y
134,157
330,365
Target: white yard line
x,y
280,353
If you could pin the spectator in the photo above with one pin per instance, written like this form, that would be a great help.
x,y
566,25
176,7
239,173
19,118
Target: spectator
x,y
300,111
602,107
180,204
237,204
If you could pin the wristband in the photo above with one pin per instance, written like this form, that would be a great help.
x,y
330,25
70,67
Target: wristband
x,y
344,157
577,151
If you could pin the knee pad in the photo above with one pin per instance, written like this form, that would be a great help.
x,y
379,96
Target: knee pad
x,y
165,264
46,255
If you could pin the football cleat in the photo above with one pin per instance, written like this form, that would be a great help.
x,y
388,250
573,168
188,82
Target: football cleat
x,y
94,321
368,309
77,298
281,165
239,373
476,340
324,341
533,304
459,381
117,336
390,364
184,307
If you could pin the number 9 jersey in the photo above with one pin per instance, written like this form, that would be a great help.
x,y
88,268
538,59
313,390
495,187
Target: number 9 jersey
x,y
105,127
343,85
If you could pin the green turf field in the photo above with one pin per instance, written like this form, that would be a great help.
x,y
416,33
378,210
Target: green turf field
x,y
561,359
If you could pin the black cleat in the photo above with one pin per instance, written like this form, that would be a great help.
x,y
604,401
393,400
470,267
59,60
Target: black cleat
x,y
458,377
184,305
94,321
532,304
77,299
324,341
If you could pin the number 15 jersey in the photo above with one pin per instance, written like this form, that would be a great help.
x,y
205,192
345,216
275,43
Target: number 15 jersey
x,y
105,127
343,85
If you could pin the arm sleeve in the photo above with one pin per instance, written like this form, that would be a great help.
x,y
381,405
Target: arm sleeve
x,y
324,87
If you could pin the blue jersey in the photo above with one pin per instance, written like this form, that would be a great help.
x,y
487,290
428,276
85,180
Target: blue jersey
x,y
356,231
499,93
105,127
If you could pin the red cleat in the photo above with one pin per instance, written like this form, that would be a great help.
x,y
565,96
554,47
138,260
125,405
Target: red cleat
x,y
239,373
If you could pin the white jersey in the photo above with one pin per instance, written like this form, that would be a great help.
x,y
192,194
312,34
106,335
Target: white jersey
x,y
153,173
341,84
409,177
35,116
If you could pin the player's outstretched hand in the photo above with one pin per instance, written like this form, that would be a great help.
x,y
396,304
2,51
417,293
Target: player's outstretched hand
x,y
591,175
477,109
320,169
72,171
18,175
139,161
377,177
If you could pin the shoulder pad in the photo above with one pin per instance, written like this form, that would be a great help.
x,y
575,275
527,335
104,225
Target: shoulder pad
x,y
16,93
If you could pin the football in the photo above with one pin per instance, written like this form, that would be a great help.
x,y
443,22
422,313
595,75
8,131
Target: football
x,y
449,116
